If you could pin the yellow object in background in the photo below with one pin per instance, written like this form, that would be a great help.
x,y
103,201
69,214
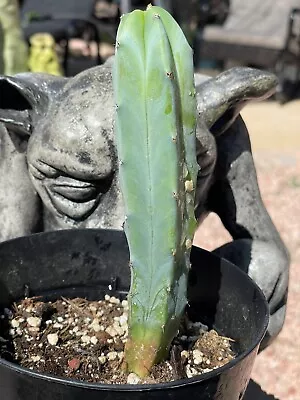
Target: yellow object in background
x,y
42,54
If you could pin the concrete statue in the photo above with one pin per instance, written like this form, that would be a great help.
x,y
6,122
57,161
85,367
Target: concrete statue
x,y
59,169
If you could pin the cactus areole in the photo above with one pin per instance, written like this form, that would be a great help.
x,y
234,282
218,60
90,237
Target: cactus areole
x,y
155,129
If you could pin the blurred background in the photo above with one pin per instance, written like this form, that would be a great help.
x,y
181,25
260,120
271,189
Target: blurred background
x,y
66,37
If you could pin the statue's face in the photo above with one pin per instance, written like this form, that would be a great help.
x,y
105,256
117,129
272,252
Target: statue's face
x,y
71,158
71,154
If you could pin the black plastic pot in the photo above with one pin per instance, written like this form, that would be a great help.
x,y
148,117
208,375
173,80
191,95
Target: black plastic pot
x,y
90,263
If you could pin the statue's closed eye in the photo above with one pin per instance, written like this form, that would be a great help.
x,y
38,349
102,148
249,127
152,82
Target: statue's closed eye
x,y
42,170
68,195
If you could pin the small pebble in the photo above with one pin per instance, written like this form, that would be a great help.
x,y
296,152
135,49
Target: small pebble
x,y
14,323
85,339
119,329
123,319
112,355
57,325
36,358
206,370
190,371
102,359
35,322
125,304
114,300
94,340
111,331
52,338
198,357
133,379
95,325
33,330
184,354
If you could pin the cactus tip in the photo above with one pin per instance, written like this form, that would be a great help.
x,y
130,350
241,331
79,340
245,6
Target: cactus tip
x,y
149,6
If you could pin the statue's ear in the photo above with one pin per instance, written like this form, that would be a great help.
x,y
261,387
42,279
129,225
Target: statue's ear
x,y
24,98
220,99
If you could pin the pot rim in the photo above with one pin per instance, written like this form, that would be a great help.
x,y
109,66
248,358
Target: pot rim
x,y
153,386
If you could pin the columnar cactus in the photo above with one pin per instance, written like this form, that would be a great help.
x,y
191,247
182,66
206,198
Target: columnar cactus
x,y
14,46
155,129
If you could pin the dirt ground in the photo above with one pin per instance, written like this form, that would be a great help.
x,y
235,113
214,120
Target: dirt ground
x,y
273,126
275,137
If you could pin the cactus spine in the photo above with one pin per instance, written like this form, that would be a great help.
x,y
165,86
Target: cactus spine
x,y
155,130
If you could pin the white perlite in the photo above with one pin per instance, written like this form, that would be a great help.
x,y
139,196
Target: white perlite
x,y
198,357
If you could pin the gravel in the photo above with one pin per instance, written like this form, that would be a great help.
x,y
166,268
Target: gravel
x,y
277,368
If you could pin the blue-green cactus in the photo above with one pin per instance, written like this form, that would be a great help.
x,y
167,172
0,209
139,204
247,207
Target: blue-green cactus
x,y
155,128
